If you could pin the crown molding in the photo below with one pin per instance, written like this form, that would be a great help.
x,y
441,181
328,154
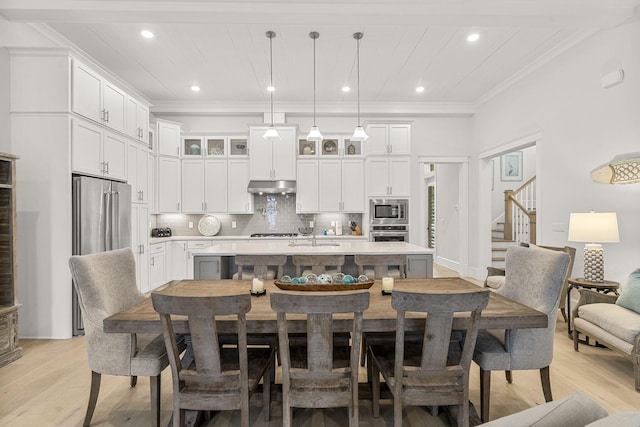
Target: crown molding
x,y
306,108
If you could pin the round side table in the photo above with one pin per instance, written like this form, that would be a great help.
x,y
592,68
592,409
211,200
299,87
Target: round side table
x,y
604,287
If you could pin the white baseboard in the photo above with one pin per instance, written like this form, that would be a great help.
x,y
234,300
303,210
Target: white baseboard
x,y
450,264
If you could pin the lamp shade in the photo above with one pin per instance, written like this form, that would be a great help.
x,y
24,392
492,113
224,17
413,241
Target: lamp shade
x,y
601,227
271,134
314,134
359,134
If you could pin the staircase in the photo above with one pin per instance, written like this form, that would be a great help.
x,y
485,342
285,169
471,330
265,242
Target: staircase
x,y
499,245
517,223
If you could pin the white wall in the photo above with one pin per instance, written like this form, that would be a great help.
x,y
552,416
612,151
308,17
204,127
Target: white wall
x,y
582,126
448,215
499,186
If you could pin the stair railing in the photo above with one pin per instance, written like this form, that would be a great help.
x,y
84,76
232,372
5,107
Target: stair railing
x,y
520,213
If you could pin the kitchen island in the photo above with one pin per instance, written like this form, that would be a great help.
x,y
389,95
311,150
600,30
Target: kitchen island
x,y
217,261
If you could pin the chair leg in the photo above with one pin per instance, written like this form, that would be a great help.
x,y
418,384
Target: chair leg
x,y
363,351
154,388
397,411
507,375
546,384
134,381
375,387
93,397
266,389
485,390
564,314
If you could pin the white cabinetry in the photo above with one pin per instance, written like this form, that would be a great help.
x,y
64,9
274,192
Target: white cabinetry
x,y
168,137
138,175
307,186
388,138
96,151
177,255
204,186
341,185
168,185
137,120
272,160
157,265
239,200
96,98
389,176
140,243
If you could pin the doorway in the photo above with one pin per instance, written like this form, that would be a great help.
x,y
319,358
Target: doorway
x,y
444,219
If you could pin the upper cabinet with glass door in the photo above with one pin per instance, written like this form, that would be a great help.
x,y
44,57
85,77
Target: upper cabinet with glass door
x,y
307,149
339,146
214,146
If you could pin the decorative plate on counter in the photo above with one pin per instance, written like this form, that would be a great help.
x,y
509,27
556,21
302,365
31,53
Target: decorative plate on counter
x,y
209,225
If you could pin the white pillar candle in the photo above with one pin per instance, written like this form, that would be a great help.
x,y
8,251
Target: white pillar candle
x,y
257,285
387,284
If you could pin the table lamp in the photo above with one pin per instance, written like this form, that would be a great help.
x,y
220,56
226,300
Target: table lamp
x,y
593,228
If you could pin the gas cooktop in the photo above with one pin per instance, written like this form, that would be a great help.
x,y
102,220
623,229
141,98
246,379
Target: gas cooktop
x,y
274,235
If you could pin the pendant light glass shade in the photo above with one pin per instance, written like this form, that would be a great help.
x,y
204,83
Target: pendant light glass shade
x,y
272,133
358,134
314,133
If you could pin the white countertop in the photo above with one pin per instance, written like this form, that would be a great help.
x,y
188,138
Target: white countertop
x,y
153,240
283,248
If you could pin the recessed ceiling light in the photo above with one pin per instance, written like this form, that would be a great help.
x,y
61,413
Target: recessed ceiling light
x,y
146,34
271,89
473,37
346,88
195,88
420,89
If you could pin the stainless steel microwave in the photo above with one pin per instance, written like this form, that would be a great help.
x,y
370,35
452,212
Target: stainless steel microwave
x,y
389,211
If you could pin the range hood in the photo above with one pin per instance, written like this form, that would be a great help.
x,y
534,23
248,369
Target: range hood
x,y
271,187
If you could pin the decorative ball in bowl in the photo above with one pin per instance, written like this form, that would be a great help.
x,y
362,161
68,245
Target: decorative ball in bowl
x,y
305,231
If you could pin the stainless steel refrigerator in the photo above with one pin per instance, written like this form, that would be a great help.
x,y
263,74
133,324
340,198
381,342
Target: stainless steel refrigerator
x,y
101,222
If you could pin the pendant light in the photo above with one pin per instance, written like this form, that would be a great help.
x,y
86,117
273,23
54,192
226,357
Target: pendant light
x,y
358,134
314,133
271,134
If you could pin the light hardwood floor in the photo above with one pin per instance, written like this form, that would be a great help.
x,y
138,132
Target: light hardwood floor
x,y
50,384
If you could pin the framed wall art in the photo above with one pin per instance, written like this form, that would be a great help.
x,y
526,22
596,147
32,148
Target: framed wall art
x,y
511,166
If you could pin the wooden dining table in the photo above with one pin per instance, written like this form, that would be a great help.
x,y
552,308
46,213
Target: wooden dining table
x,y
500,313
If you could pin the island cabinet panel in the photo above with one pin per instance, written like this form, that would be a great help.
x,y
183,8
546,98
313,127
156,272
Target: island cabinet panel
x,y
419,266
10,349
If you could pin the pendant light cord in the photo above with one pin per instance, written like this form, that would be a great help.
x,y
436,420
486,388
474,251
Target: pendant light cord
x,y
271,73
314,81
358,72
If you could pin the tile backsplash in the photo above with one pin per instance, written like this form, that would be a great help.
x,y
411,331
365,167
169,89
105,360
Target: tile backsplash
x,y
273,213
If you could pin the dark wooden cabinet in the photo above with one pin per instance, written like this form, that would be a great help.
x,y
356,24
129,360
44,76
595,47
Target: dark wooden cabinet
x,y
9,346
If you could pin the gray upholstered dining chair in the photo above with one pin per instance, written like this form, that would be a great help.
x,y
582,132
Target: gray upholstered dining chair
x,y
216,378
534,277
106,284
319,374
424,373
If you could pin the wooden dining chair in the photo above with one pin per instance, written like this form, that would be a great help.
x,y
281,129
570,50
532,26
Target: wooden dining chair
x,y
217,378
320,374
106,284
423,373
317,264
377,267
268,267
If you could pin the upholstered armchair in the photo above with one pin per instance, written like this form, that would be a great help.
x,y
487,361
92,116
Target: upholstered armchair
x,y
495,276
106,284
534,277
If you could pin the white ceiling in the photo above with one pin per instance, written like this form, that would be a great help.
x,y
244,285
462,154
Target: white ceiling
x,y
221,45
